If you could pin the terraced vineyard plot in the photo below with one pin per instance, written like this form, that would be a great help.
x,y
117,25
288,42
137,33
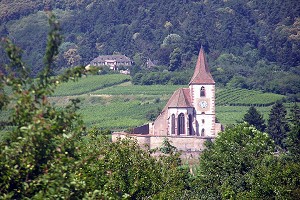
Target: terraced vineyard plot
x,y
244,97
120,114
118,104
89,84
139,90
260,99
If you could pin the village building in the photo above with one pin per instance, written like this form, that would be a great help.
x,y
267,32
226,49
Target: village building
x,y
112,61
150,64
189,117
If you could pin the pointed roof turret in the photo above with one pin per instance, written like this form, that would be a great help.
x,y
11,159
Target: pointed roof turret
x,y
202,74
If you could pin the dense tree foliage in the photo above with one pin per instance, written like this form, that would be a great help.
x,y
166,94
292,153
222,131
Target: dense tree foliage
x,y
293,139
245,40
278,176
241,164
226,161
278,124
274,177
253,117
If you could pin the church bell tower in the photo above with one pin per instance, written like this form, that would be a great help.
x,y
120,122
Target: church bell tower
x,y
202,91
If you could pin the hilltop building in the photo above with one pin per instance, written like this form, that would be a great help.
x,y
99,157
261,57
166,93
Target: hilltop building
x,y
113,61
188,119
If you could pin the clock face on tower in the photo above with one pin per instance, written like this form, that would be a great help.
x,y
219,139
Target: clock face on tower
x,y
203,104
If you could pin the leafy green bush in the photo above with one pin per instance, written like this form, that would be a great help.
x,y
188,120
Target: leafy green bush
x,y
227,160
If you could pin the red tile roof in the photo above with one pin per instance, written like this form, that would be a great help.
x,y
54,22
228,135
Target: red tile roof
x,y
202,74
181,98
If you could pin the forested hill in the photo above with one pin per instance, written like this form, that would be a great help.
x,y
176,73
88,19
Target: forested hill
x,y
250,43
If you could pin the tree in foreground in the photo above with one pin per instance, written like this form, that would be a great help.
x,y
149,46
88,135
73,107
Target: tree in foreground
x,y
122,170
49,154
226,161
241,164
277,124
253,117
36,154
275,177
278,177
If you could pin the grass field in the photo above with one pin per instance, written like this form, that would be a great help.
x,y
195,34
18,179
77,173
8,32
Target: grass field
x,y
111,101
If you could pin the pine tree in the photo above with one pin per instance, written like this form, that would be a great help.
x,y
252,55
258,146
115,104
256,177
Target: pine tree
x,y
253,117
277,124
295,115
293,138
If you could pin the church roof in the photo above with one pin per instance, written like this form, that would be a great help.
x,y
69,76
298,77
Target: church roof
x,y
202,74
181,98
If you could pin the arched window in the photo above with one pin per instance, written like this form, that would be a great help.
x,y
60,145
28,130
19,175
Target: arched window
x,y
202,132
190,124
181,123
202,92
173,124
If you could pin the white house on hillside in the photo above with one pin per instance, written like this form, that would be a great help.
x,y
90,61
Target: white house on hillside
x,y
113,61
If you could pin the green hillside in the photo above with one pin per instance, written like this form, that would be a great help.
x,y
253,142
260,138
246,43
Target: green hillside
x,y
111,101
250,44
121,106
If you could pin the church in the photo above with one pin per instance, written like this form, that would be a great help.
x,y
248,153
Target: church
x,y
189,117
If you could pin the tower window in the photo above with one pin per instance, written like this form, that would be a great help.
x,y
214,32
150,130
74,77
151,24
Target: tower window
x,y
202,91
173,124
181,123
202,132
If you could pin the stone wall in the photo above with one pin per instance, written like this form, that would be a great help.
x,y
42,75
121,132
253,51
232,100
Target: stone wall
x,y
182,143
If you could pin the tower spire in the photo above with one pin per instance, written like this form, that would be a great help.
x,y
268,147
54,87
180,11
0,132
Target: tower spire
x,y
202,74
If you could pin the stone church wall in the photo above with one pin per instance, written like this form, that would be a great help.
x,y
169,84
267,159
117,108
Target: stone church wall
x,y
182,143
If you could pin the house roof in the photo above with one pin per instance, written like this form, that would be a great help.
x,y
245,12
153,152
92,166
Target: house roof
x,y
118,58
202,74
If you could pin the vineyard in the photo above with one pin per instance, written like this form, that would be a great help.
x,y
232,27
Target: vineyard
x,y
129,89
118,113
89,84
112,101
244,97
